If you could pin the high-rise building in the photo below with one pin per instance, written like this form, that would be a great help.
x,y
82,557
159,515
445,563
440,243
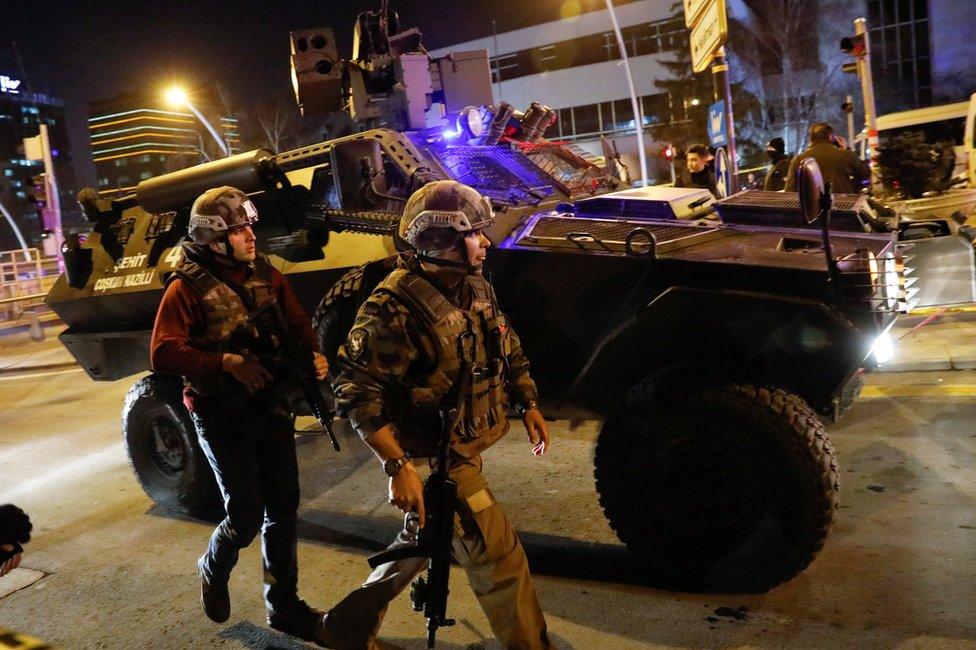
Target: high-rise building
x,y
921,52
135,137
21,113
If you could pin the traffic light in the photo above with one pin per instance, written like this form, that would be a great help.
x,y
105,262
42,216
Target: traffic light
x,y
668,153
856,47
853,45
38,191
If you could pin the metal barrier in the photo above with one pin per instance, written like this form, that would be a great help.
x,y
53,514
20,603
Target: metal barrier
x,y
23,284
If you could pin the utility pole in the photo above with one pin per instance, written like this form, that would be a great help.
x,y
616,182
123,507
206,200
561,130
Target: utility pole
x,y
722,89
39,148
867,89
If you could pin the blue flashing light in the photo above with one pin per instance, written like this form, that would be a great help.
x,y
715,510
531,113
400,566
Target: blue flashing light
x,y
450,133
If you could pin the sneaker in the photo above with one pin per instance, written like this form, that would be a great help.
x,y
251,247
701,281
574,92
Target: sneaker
x,y
214,597
298,619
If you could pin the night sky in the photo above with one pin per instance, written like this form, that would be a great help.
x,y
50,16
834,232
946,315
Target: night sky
x,y
85,51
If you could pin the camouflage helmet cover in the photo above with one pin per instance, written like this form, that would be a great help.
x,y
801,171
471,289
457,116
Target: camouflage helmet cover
x,y
440,211
219,211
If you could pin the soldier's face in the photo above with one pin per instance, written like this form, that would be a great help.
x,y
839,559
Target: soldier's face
x,y
476,247
243,244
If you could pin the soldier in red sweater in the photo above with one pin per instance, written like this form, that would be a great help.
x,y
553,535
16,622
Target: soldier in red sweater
x,y
209,307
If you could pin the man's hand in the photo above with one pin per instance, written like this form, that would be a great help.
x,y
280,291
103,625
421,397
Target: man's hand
x,y
537,430
321,366
407,491
11,563
247,371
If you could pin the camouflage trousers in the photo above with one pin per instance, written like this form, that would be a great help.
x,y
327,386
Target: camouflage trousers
x,y
485,545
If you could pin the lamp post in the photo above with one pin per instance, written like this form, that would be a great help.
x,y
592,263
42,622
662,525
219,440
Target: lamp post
x,y
178,97
634,103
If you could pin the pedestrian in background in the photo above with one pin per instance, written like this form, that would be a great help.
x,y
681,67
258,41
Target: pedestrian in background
x,y
840,167
697,172
776,176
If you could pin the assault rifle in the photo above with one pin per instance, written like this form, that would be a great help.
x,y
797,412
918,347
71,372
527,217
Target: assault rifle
x,y
429,594
297,359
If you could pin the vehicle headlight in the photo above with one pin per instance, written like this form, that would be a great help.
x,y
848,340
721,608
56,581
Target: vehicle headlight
x,y
883,348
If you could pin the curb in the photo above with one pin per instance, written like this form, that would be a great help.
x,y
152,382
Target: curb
x,y
42,367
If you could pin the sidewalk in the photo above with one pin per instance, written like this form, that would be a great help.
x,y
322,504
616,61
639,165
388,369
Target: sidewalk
x,y
18,353
947,342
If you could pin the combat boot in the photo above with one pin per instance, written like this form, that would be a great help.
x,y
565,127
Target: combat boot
x,y
298,619
214,597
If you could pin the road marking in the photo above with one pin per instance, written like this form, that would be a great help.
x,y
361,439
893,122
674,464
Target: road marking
x,y
13,376
930,390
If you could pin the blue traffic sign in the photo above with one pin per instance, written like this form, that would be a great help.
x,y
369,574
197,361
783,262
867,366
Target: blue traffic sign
x,y
718,135
723,174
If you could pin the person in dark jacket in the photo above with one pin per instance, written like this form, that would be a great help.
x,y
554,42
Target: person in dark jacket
x,y
839,167
699,173
210,325
776,176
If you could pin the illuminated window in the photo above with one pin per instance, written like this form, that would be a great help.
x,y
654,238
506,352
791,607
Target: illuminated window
x,y
121,162
145,175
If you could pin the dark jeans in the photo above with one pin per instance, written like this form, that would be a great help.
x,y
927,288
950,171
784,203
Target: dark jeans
x,y
253,458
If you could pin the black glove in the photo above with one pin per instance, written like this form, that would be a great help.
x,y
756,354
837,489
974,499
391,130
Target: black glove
x,y
15,529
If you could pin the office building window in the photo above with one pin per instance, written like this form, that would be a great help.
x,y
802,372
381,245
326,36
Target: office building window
x,y
900,48
646,38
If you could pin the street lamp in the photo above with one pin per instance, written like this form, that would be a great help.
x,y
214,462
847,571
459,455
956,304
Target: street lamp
x,y
178,98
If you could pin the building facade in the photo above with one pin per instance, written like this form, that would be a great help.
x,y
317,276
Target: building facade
x,y
23,109
784,53
574,65
135,137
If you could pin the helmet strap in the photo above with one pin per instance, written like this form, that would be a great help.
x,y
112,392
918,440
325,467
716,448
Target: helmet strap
x,y
439,261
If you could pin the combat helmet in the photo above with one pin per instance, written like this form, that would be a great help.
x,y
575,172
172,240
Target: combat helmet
x,y
439,215
217,212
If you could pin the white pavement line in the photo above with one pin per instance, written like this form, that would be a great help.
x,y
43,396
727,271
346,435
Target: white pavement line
x,y
18,579
58,477
39,374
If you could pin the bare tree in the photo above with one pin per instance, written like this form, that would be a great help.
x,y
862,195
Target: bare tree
x,y
277,123
778,46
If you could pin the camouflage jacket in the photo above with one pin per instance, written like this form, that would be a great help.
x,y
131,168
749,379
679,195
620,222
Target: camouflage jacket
x,y
389,354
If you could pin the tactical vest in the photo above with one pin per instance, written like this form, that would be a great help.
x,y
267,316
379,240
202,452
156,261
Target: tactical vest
x,y
483,419
226,315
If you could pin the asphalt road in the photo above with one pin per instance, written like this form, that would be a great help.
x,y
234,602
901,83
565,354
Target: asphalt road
x,y
899,570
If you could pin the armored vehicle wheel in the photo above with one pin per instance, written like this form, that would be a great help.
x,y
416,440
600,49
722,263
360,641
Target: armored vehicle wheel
x,y
733,489
162,447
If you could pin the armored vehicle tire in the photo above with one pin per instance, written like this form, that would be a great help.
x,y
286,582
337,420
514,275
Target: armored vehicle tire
x,y
162,447
734,489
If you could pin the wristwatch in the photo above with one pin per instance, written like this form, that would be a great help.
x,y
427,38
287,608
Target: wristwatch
x,y
528,405
393,466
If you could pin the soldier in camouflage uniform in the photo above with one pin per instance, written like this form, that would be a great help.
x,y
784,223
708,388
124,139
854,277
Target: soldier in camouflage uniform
x,y
400,359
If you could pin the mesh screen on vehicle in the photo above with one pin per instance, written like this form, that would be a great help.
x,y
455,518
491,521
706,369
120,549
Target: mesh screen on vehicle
x,y
497,172
782,209
610,231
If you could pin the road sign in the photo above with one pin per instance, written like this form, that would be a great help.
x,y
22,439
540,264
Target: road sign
x,y
723,175
693,9
718,134
708,34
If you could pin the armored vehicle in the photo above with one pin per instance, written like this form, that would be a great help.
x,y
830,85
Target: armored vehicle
x,y
712,338
714,348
